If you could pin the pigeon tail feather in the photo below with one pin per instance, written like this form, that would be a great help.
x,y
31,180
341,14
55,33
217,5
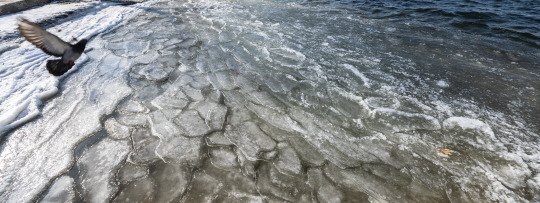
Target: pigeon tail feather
x,y
57,67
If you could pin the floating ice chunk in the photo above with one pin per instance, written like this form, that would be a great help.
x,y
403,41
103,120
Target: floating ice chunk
x,y
199,81
380,102
306,151
333,142
193,94
355,71
239,115
170,101
205,188
273,183
137,191
144,146
287,56
326,191
280,120
117,130
315,178
213,114
180,150
329,193
215,96
135,47
245,83
168,59
265,99
443,84
279,83
287,161
216,65
394,120
361,181
248,167
189,42
155,72
222,80
216,56
202,66
276,133
256,51
269,155
182,80
172,41
410,104
171,181
233,64
192,124
132,106
146,58
60,191
97,168
133,119
162,127
223,158
184,67
468,124
212,184
348,104
234,98
249,139
217,139
471,131
130,172
226,36
512,175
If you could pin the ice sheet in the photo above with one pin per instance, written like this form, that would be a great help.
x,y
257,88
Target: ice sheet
x,y
25,82
31,159
270,101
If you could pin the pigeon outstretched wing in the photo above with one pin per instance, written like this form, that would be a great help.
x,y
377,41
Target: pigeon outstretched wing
x,y
42,39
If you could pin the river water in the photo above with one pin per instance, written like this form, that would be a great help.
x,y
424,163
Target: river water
x,y
300,101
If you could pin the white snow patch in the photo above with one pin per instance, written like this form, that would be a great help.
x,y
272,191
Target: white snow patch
x,y
25,82
9,22
61,191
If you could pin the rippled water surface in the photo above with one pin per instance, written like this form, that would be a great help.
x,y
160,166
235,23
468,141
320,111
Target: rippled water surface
x,y
308,101
516,20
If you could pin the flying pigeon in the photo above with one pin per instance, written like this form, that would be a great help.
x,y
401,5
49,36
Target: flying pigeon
x,y
52,45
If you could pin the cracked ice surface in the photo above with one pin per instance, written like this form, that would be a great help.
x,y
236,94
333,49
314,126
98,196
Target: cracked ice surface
x,y
230,101
45,147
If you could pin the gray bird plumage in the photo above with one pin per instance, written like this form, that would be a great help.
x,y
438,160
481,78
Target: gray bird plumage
x,y
52,45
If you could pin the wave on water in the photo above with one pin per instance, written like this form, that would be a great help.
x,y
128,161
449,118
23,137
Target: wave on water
x,y
515,20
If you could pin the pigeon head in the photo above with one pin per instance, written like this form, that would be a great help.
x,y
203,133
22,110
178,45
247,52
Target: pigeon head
x,y
79,47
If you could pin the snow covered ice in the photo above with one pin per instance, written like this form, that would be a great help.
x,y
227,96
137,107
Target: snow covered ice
x,y
255,101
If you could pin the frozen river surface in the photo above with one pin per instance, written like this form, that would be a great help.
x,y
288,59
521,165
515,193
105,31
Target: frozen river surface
x,y
267,101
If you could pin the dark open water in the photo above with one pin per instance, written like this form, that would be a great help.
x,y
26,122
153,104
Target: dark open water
x,y
503,19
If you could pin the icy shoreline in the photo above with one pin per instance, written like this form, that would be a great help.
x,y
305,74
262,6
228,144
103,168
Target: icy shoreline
x,y
260,101
24,86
